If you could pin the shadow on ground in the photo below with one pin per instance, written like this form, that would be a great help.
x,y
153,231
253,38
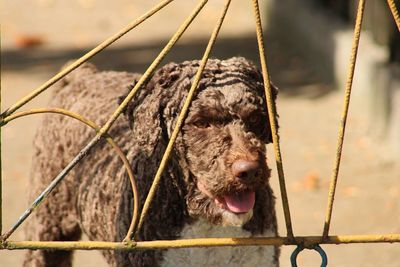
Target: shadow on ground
x,y
289,70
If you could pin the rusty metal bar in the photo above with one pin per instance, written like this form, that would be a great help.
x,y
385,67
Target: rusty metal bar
x,y
272,114
85,58
395,12
182,115
306,241
342,128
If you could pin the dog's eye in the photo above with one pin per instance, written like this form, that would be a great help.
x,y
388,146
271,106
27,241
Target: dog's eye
x,y
255,119
257,123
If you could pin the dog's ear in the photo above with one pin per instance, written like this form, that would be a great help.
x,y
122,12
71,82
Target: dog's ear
x,y
153,110
143,117
150,113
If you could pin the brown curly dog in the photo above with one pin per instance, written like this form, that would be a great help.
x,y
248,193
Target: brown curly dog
x,y
216,183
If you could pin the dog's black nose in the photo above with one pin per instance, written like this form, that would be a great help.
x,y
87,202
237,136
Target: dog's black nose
x,y
245,169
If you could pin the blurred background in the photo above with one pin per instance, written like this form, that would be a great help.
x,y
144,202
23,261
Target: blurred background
x,y
308,44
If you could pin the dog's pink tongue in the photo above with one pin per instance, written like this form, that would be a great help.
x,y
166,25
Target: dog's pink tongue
x,y
239,203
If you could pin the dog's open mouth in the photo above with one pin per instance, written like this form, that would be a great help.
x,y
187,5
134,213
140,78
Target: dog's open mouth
x,y
237,203
233,208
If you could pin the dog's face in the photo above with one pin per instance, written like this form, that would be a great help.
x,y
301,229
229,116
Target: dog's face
x,y
225,136
221,149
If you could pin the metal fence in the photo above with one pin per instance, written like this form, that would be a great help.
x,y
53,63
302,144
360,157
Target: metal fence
x,y
129,243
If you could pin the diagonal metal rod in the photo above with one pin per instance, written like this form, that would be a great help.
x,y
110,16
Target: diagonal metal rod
x,y
342,129
272,116
181,117
143,79
395,12
84,58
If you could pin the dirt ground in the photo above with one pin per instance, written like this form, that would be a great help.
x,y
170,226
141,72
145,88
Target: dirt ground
x,y
368,194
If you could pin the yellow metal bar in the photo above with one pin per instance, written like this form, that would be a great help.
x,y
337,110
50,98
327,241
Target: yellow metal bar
x,y
85,58
395,12
352,64
91,124
182,116
272,114
306,241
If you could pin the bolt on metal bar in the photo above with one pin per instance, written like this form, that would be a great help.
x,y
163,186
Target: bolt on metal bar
x,y
272,114
305,241
109,123
109,139
342,128
182,116
395,12
85,58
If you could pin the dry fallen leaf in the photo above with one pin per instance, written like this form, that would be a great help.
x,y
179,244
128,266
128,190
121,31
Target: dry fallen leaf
x,y
28,41
351,191
311,181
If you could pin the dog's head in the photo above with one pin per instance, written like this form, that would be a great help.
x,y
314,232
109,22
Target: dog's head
x,y
222,145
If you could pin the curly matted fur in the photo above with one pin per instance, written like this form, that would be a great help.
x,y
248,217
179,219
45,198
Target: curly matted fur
x,y
227,125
